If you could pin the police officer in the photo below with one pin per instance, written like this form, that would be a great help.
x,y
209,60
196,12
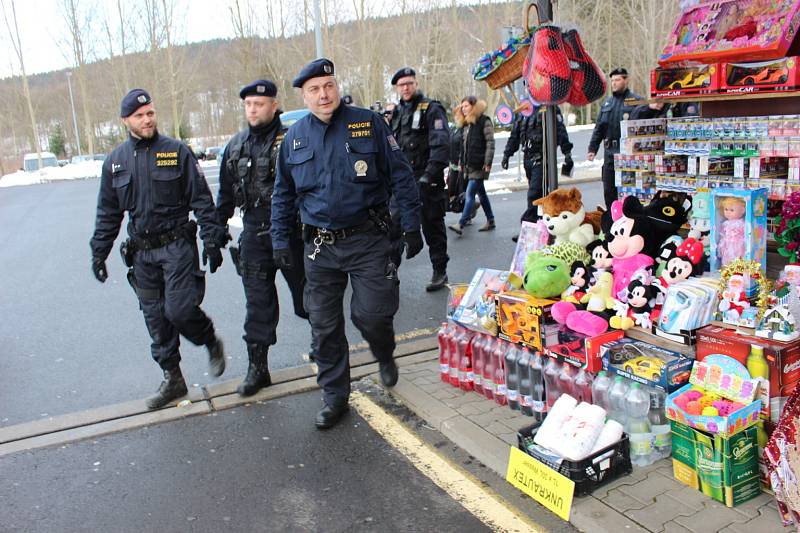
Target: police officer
x,y
246,179
420,126
527,132
157,180
342,163
613,110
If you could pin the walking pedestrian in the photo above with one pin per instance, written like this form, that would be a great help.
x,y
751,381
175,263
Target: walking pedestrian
x,y
476,158
341,164
157,181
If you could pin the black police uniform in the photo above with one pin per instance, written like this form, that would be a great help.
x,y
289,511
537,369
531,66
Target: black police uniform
x,y
607,130
527,133
343,174
420,127
158,181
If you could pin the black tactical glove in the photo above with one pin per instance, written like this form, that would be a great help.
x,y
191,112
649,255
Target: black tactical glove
x,y
504,163
413,240
424,181
566,168
212,255
99,269
282,258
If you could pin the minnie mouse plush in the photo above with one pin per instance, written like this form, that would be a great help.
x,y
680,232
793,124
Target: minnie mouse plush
x,y
687,259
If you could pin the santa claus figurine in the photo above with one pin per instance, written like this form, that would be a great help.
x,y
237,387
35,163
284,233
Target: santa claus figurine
x,y
734,299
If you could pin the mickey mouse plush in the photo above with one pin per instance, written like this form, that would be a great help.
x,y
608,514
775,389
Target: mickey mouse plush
x,y
641,302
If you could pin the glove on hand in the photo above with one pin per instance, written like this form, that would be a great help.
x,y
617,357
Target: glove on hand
x,y
99,269
413,240
504,163
212,256
282,258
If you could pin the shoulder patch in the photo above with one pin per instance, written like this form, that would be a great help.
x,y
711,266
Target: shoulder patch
x,y
438,124
299,142
392,142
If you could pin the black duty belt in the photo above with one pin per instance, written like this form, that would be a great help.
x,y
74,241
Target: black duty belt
x,y
151,242
330,236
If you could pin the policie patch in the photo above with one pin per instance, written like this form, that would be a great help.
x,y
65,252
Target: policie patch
x,y
166,159
359,129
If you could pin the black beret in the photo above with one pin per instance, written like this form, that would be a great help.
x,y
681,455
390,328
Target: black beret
x,y
132,101
259,88
619,71
315,69
402,73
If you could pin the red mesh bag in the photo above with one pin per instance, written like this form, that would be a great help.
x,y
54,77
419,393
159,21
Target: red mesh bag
x,y
588,81
547,68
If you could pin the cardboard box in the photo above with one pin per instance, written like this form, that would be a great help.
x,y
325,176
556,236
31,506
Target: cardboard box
x,y
761,77
723,469
521,317
633,359
783,359
755,223
580,350
476,309
683,81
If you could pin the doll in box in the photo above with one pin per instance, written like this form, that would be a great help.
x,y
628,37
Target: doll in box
x,y
732,233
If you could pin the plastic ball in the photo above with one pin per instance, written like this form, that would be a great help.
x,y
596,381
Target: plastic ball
x,y
694,408
692,394
705,401
710,411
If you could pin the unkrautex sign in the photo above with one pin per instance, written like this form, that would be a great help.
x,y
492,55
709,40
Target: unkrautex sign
x,y
540,482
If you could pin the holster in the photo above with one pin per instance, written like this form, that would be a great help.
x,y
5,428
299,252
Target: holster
x,y
382,218
236,258
126,250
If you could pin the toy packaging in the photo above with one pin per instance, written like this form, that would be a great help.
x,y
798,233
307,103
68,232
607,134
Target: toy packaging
x,y
456,292
683,81
738,226
732,30
688,306
521,317
765,76
581,350
725,469
476,311
646,363
532,236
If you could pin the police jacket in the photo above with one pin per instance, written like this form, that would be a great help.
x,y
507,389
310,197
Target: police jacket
x,y
337,172
420,126
612,111
247,173
527,133
157,181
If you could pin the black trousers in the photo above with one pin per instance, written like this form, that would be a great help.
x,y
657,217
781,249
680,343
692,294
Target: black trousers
x,y
170,287
535,174
434,208
258,273
609,188
365,261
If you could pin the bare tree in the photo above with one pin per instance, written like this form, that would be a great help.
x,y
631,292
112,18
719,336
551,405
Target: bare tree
x,y
78,27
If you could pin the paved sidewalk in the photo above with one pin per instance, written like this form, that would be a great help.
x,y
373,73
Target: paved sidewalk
x,y
649,499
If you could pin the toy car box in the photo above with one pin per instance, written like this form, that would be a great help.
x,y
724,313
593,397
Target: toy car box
x,y
476,310
521,317
646,363
580,350
764,76
683,81
723,469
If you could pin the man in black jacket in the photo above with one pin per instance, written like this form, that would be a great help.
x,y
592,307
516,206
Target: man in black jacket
x,y
157,180
607,129
527,133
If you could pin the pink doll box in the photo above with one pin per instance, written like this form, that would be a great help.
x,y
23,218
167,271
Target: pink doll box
x,y
738,226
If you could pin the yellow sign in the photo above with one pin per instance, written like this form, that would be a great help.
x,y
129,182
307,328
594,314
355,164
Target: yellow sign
x,y
540,482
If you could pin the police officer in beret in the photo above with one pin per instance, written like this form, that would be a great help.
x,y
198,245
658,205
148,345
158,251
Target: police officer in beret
x,y
246,180
607,129
342,164
157,181
420,126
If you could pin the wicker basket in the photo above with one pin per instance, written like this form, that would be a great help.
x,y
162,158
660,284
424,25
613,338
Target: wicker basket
x,y
511,69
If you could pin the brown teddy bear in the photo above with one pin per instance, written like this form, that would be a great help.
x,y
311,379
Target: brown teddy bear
x,y
565,217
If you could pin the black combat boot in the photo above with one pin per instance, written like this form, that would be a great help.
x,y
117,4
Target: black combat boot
x,y
172,388
216,357
438,281
257,371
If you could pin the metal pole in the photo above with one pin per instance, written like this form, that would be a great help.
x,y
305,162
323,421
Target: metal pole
x,y
550,161
318,29
74,119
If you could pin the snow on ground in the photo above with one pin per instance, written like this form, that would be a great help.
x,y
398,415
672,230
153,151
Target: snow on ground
x,y
570,129
76,171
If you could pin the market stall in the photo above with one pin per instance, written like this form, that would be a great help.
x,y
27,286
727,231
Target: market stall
x,y
653,331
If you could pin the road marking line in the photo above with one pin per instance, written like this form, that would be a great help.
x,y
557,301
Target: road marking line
x,y
485,505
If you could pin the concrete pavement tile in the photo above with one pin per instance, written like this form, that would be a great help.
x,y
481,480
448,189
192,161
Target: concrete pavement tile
x,y
767,521
713,518
655,515
509,438
429,387
750,507
495,428
621,502
648,488
467,409
592,515
482,419
452,402
441,394
424,405
687,497
637,475
484,446
674,527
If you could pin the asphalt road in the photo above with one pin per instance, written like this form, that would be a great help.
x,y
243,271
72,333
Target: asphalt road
x,y
70,343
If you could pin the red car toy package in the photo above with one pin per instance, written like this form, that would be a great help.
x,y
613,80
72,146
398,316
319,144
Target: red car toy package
x,y
683,81
765,76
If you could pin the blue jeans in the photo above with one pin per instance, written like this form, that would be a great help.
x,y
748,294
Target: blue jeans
x,y
476,187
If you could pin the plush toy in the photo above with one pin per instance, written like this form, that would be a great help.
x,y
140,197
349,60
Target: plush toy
x,y
546,276
666,253
687,259
565,217
580,276
667,212
600,257
594,320
641,296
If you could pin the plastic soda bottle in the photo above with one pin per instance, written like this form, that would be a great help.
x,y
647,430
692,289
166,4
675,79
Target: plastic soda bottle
x,y
487,382
566,380
525,391
582,386
512,377
538,397
600,389
465,375
500,396
659,424
444,351
756,362
616,400
458,331
637,407
551,388
478,360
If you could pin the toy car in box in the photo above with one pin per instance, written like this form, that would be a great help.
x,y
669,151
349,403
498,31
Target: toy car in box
x,y
673,82
476,310
646,363
581,350
764,76
521,317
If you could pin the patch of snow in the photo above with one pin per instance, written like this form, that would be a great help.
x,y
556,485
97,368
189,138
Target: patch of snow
x,y
72,171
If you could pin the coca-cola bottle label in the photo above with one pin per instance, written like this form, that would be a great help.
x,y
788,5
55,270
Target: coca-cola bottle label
x,y
444,368
539,406
512,395
470,376
526,400
501,389
453,372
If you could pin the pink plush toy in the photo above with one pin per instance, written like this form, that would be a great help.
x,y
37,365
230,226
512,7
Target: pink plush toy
x,y
731,241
